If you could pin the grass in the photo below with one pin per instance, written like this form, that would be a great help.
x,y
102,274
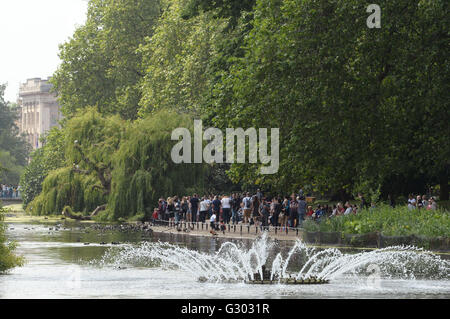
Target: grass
x,y
389,221
14,208
22,217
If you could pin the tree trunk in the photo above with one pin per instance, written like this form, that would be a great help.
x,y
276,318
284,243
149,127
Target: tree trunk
x,y
98,210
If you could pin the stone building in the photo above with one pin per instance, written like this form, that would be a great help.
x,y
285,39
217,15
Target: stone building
x,y
38,109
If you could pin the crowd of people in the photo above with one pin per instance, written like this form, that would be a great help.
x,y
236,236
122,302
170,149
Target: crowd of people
x,y
10,191
421,202
289,211
219,210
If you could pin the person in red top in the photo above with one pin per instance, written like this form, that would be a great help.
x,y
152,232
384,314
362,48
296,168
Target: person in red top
x,y
341,209
155,214
310,211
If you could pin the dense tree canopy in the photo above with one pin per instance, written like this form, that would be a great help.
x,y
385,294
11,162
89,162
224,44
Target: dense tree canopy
x,y
14,149
359,109
75,165
101,65
43,160
144,170
110,161
355,105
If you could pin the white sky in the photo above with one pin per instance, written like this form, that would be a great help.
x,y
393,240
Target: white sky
x,y
30,32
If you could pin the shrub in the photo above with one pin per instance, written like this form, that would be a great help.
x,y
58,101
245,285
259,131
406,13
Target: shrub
x,y
399,221
8,259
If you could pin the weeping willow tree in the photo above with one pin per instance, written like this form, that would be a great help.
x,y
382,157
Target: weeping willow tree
x,y
90,140
64,187
143,168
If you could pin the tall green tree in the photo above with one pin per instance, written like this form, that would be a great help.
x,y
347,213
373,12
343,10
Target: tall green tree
x,y
177,60
144,170
101,65
50,156
354,105
14,149
82,178
91,141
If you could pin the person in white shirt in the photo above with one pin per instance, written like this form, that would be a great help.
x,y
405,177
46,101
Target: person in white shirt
x,y
246,202
411,202
349,209
209,201
212,222
226,209
204,206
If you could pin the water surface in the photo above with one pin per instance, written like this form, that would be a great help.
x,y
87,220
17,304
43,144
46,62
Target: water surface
x,y
60,265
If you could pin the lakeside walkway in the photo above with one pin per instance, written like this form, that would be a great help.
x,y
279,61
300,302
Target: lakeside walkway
x,y
367,241
231,231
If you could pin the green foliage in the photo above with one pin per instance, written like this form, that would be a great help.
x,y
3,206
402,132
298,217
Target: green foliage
x,y
359,109
63,187
67,210
101,66
7,258
390,222
109,160
43,160
91,142
144,170
177,60
14,149
351,102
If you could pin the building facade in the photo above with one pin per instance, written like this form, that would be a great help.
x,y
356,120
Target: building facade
x,y
38,109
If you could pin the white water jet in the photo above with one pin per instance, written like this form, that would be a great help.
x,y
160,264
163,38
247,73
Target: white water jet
x,y
236,263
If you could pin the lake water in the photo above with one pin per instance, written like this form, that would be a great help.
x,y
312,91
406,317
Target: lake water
x,y
60,265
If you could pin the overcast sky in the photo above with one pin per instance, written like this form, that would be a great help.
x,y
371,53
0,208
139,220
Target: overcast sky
x,y
30,32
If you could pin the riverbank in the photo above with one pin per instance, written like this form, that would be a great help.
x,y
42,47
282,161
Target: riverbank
x,y
368,241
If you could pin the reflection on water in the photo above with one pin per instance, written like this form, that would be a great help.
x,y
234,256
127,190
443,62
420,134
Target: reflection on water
x,y
64,263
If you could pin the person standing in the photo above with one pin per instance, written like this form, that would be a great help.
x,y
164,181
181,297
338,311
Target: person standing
x,y
424,201
204,206
177,210
212,222
411,202
348,209
301,210
254,206
235,206
194,207
264,212
184,208
419,203
364,203
170,209
247,208
226,208
216,204
432,204
293,211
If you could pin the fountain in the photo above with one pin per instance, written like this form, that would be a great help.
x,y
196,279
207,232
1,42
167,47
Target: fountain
x,y
236,263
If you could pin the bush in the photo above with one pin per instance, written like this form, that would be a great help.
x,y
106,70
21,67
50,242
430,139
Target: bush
x,y
7,258
399,221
